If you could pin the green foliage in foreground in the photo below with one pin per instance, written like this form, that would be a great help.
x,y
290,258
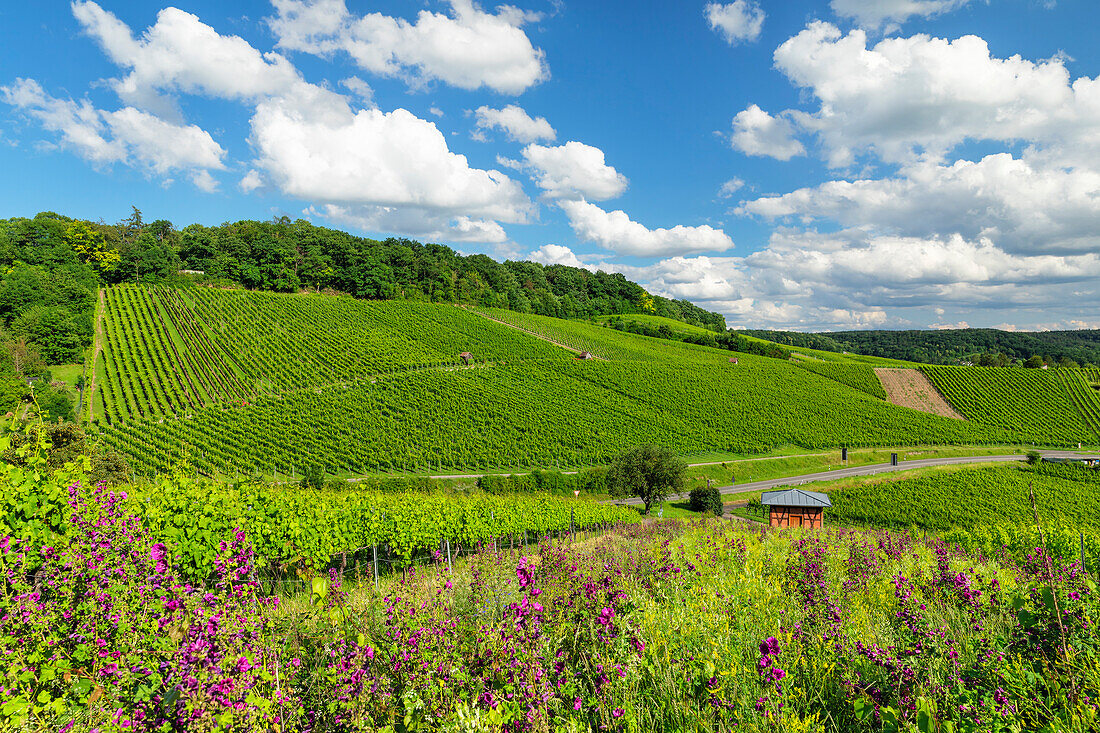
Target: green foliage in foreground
x,y
973,497
292,527
1065,540
656,627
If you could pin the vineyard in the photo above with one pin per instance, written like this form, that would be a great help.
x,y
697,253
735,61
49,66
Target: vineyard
x,y
602,342
1034,403
231,381
656,322
519,416
859,376
169,352
1084,397
303,528
973,497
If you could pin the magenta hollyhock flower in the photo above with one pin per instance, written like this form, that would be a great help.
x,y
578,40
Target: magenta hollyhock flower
x,y
770,646
576,703
370,653
617,713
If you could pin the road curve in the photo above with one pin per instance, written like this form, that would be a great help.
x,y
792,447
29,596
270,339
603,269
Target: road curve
x,y
868,470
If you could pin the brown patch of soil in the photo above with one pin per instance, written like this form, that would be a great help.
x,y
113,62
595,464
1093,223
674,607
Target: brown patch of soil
x,y
910,388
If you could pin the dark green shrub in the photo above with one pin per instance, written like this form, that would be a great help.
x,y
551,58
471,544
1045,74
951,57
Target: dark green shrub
x,y
704,499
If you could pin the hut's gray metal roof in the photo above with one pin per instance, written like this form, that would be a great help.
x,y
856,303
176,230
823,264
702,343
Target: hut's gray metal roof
x,y
794,497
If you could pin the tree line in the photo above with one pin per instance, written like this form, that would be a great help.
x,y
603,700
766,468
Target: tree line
x,y
979,346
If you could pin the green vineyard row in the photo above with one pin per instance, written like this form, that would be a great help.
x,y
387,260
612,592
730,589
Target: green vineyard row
x,y
294,527
859,376
1032,402
169,352
973,497
536,414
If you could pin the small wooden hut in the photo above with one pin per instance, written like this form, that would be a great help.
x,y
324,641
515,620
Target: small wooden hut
x,y
795,507
466,357
733,360
585,355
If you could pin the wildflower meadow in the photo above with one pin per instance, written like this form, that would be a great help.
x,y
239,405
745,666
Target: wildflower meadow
x,y
707,625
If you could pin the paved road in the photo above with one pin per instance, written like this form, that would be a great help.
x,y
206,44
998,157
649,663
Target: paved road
x,y
870,470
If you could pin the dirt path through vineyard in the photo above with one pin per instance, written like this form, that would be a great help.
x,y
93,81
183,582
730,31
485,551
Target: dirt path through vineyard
x,y
910,388
532,333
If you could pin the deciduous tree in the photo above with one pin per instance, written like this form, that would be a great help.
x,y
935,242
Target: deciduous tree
x,y
649,472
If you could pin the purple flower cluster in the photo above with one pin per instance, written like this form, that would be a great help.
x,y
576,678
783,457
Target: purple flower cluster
x,y
105,632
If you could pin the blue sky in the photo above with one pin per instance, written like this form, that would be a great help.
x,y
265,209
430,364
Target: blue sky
x,y
808,165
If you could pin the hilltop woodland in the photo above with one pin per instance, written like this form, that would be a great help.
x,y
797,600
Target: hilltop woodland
x,y
980,346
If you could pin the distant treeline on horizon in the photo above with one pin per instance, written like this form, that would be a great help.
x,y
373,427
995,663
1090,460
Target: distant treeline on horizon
x,y
981,346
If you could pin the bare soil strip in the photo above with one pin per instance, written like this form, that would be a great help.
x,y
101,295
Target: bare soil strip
x,y
910,388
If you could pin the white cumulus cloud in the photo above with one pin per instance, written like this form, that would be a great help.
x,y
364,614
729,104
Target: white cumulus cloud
x,y
469,48
515,122
755,132
386,171
877,13
1021,204
905,97
128,135
614,230
741,20
376,158
428,225
180,53
251,181
574,170
556,254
